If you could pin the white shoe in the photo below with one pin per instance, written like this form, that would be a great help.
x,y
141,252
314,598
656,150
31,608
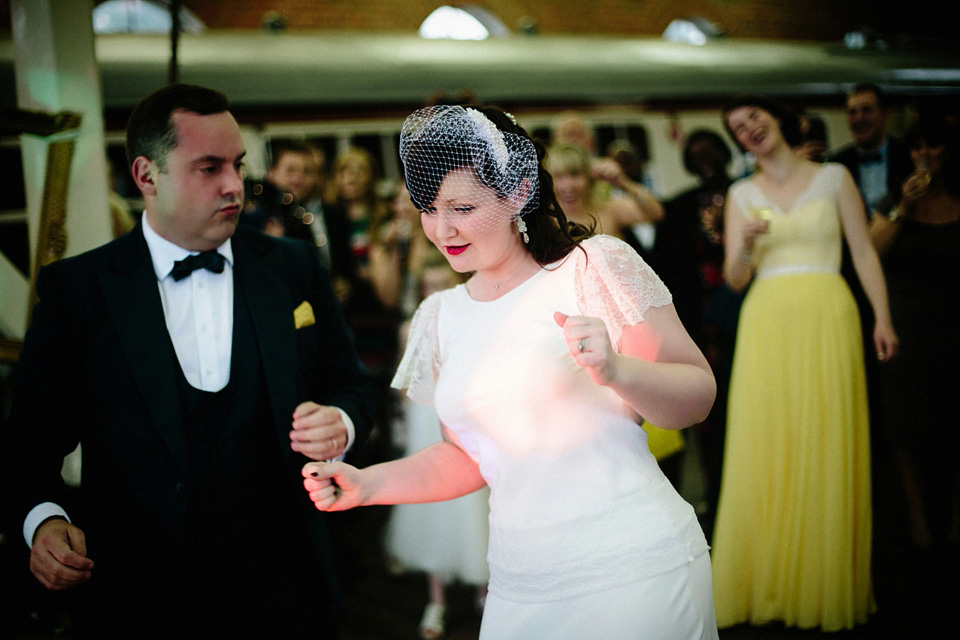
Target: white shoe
x,y
431,624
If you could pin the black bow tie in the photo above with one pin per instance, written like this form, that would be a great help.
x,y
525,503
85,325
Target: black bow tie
x,y
871,158
210,260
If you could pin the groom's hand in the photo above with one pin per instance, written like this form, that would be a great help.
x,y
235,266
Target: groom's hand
x,y
318,431
58,556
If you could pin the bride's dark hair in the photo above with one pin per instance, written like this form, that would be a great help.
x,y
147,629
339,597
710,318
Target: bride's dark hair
x,y
552,236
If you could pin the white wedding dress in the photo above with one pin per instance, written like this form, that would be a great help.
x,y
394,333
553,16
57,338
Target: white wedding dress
x,y
587,536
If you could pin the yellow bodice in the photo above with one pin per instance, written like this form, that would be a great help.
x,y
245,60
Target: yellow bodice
x,y
805,238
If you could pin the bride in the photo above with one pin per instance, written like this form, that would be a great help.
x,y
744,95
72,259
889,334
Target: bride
x,y
538,367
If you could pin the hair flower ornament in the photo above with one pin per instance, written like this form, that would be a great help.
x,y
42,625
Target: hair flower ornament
x,y
492,135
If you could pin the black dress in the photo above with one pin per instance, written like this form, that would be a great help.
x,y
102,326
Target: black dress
x,y
921,385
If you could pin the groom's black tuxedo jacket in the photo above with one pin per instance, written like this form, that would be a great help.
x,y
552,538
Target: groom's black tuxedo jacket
x,y
157,499
899,166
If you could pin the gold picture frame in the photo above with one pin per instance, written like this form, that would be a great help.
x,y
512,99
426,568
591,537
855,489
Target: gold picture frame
x,y
61,129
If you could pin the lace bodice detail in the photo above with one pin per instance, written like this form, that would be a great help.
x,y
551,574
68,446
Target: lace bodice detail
x,y
420,365
611,282
805,238
614,284
577,501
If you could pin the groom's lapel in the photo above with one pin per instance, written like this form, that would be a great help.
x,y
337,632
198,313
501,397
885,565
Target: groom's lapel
x,y
260,271
133,299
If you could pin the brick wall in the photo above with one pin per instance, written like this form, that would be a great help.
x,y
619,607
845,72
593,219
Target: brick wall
x,y
824,20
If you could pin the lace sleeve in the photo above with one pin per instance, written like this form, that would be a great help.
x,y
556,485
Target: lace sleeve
x,y
420,365
614,284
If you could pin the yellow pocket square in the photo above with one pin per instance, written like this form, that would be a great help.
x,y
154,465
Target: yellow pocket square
x,y
303,315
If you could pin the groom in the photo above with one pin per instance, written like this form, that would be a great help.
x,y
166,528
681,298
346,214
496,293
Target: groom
x,y
198,365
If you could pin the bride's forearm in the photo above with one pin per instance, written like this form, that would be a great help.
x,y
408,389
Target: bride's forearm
x,y
669,395
441,471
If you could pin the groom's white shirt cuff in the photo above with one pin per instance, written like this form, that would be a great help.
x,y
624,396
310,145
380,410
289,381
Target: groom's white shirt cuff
x,y
37,515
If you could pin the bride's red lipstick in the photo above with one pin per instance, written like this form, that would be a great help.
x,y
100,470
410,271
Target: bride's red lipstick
x,y
456,250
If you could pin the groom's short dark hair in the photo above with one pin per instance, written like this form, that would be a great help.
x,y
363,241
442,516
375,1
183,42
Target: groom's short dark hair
x,y
150,130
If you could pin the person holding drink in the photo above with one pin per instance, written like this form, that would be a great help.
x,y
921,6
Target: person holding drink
x,y
792,540
919,240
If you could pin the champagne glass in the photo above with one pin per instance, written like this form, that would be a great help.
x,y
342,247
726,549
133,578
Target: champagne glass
x,y
917,184
762,213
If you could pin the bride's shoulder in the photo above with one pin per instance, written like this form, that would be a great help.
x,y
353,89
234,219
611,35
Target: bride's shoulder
x,y
604,255
601,245
429,309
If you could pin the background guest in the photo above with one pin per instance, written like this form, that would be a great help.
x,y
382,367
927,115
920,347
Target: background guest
x,y
878,162
583,188
688,255
792,539
396,260
814,145
920,244
354,189
274,205
570,127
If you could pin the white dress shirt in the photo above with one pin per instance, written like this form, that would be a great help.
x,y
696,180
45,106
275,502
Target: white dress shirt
x,y
198,311
873,178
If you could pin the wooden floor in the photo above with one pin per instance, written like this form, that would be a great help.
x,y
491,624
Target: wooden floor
x,y
917,593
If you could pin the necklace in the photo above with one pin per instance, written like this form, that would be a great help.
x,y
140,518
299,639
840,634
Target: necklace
x,y
496,286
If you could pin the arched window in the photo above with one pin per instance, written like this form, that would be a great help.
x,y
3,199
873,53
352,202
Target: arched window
x,y
695,30
141,16
462,22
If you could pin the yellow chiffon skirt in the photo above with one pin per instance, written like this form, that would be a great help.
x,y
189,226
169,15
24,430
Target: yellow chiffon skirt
x,y
792,539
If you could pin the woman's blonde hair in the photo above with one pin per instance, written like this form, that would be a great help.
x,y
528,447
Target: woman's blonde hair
x,y
565,159
377,209
355,154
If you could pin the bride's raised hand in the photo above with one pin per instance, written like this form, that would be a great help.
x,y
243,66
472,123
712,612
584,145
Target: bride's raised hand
x,y
589,344
333,486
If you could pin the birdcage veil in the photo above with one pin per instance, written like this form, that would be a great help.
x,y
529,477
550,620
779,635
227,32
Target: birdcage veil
x,y
458,149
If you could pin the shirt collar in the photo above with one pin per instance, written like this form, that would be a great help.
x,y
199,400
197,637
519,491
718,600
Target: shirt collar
x,y
881,150
164,253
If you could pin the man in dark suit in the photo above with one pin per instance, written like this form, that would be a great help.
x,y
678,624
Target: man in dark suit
x,y
879,163
287,203
197,396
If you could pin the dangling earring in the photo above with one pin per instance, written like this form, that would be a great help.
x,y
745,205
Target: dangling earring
x,y
522,228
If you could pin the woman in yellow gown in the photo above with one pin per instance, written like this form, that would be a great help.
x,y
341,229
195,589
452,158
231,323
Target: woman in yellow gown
x,y
792,541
